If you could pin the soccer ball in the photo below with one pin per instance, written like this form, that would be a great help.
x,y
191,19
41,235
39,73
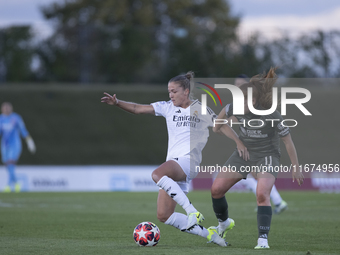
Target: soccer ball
x,y
146,234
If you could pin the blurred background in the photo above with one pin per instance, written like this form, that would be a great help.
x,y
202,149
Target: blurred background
x,y
58,57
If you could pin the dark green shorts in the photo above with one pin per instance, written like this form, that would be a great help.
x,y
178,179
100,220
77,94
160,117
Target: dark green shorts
x,y
270,164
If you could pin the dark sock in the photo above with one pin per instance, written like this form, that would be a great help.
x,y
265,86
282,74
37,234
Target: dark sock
x,y
264,217
220,207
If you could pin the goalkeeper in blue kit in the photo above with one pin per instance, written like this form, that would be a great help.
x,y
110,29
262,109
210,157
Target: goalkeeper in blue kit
x,y
11,127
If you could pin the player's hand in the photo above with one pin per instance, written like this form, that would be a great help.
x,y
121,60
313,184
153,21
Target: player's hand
x,y
111,100
242,151
30,145
297,175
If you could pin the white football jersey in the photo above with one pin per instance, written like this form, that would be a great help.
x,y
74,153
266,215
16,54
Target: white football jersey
x,y
187,129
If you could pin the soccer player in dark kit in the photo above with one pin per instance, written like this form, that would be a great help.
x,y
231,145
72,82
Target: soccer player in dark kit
x,y
251,183
262,140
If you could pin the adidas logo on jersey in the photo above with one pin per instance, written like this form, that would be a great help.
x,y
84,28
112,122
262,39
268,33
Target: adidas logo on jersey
x,y
179,111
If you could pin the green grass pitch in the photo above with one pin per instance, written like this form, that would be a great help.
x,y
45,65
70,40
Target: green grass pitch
x,y
102,223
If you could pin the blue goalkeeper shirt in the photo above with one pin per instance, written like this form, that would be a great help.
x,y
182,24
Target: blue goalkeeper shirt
x,y
11,127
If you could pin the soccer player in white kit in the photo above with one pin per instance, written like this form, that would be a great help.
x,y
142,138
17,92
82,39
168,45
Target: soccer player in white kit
x,y
188,133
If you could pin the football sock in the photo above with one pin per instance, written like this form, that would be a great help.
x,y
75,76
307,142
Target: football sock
x,y
180,220
262,242
275,196
264,217
224,224
220,207
251,184
176,193
11,175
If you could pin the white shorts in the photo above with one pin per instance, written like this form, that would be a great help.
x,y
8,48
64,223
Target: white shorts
x,y
188,166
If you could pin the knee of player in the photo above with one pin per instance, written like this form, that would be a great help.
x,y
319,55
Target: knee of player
x,y
163,216
155,176
261,197
216,191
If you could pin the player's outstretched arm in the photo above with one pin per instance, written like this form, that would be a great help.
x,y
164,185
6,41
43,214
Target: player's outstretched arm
x,y
127,106
290,147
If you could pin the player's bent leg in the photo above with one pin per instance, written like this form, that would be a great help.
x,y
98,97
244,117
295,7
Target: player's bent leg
x,y
179,221
166,214
170,169
221,185
166,176
165,206
265,183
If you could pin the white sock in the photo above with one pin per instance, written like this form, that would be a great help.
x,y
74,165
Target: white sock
x,y
224,224
176,193
180,220
262,242
251,184
275,196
